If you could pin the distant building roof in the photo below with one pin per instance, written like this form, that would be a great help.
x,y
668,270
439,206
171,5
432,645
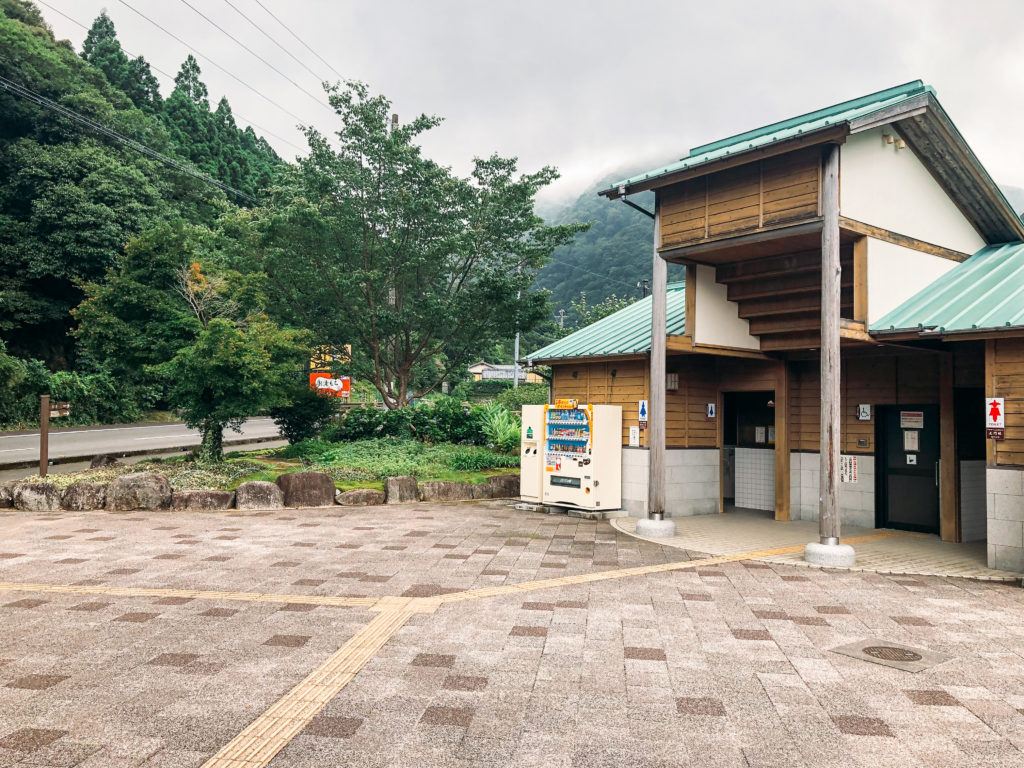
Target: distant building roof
x,y
985,292
784,129
626,332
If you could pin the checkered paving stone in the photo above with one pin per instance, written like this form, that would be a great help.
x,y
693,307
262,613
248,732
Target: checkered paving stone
x,y
650,670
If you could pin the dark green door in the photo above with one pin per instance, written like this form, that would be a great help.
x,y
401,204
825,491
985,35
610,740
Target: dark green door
x,y
909,471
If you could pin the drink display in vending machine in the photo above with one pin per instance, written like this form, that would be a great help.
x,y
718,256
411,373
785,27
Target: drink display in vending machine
x,y
582,455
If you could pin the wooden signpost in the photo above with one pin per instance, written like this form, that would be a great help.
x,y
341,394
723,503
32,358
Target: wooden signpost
x,y
48,411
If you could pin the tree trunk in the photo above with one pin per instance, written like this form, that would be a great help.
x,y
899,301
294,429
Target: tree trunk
x,y
212,447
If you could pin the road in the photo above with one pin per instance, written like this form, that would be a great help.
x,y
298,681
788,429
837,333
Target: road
x,y
86,442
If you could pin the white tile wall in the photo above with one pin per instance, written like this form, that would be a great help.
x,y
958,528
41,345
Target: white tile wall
x,y
755,478
1005,524
691,481
973,512
856,500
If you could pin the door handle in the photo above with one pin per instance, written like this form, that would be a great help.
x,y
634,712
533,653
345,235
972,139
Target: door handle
x,y
937,472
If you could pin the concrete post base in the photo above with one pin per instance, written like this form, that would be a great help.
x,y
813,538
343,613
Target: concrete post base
x,y
657,529
830,555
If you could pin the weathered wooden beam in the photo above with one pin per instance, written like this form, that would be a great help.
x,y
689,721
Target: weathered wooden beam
x,y
831,277
949,492
782,476
860,279
902,240
656,400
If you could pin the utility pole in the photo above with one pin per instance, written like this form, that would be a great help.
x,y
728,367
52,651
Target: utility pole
x,y
645,287
828,550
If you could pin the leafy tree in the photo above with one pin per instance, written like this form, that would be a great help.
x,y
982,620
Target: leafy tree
x,y
232,370
103,50
376,246
587,313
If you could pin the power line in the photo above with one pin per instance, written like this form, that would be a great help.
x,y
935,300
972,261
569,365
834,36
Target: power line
x,y
273,39
204,56
288,29
27,93
210,21
577,268
170,77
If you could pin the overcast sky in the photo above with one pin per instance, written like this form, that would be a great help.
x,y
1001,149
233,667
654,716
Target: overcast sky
x,y
591,86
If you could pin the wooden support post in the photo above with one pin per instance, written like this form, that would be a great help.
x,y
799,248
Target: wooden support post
x,y
949,492
656,404
831,273
44,434
782,477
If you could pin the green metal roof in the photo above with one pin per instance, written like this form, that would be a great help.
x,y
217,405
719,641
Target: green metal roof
x,y
985,292
626,332
785,129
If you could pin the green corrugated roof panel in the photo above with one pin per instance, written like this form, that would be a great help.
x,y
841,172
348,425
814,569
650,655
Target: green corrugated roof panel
x,y
785,129
626,332
984,292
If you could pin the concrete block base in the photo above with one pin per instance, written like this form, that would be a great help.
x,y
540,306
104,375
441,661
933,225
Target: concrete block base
x,y
830,555
655,529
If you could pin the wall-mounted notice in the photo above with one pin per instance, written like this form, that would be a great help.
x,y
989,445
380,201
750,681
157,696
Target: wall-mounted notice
x,y
910,440
848,469
911,419
634,436
759,435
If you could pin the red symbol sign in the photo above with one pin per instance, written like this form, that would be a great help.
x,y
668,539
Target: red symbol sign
x,y
995,418
993,412
326,384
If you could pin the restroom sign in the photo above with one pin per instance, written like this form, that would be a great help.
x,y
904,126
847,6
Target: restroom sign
x,y
995,418
642,413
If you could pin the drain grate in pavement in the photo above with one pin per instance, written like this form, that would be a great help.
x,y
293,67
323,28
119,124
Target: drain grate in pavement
x,y
891,654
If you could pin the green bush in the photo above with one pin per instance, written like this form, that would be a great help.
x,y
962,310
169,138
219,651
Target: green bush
x,y
500,427
477,458
359,424
444,419
526,394
485,389
306,416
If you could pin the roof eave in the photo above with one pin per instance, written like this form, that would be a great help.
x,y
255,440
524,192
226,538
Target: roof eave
x,y
827,134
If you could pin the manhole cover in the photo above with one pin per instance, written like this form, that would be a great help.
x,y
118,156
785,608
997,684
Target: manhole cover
x,y
892,653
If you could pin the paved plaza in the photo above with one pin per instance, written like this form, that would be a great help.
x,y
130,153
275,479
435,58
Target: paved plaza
x,y
478,635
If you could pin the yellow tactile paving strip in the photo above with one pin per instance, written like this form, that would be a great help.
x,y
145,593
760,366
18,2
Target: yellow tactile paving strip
x,y
889,552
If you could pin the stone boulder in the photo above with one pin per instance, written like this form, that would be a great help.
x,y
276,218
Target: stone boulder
x,y
444,490
103,460
202,499
307,489
36,497
258,494
360,497
503,487
139,490
400,490
83,496
6,496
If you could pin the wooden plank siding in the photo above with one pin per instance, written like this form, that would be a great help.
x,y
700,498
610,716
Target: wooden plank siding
x,y
594,383
741,200
1005,378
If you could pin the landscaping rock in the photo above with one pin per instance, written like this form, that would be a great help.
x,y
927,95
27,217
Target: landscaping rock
x,y
445,490
361,497
6,496
399,490
202,499
103,460
258,494
503,487
83,496
139,490
307,489
36,497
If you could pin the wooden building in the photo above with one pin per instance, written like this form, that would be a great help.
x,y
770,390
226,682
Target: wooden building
x,y
929,298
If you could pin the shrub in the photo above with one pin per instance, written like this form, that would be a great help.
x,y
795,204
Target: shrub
x,y
307,450
305,416
359,424
526,394
500,427
477,458
444,419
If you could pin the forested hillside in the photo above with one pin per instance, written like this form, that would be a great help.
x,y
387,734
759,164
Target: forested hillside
x,y
71,198
609,258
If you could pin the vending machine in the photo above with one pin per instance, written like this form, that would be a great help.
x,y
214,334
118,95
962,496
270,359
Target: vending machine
x,y
531,454
582,456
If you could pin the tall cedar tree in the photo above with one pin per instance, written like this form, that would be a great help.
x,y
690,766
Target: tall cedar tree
x,y
375,246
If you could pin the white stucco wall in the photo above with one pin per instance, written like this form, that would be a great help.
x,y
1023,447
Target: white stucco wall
x,y
716,319
896,273
891,188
